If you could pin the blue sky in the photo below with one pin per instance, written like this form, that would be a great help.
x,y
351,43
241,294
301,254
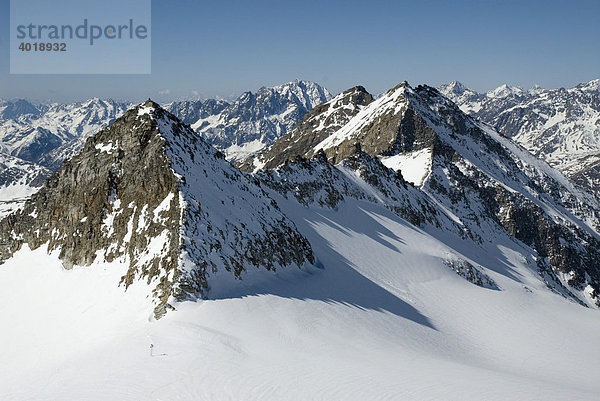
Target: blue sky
x,y
223,48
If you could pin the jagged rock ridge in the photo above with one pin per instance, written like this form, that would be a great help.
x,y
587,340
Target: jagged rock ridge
x,y
254,120
491,186
560,126
316,125
148,191
49,134
190,111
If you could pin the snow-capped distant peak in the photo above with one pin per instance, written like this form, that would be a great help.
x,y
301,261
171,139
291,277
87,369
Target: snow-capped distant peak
x,y
455,87
592,86
559,126
504,91
535,89
254,120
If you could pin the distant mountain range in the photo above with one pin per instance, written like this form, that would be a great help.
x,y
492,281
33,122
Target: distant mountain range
x,y
47,135
254,120
560,126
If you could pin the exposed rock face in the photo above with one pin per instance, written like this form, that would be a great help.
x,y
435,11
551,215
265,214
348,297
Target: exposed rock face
x,y
148,191
317,182
385,127
490,186
560,126
255,120
189,111
316,125
522,195
471,274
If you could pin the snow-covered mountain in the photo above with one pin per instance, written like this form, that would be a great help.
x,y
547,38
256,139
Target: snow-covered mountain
x,y
138,192
560,126
49,137
52,134
491,186
11,109
254,120
19,179
396,249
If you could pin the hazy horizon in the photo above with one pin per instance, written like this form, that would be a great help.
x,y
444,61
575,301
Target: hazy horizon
x,y
207,50
232,97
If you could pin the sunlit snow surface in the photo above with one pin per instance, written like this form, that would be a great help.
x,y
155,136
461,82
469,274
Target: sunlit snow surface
x,y
381,317
414,166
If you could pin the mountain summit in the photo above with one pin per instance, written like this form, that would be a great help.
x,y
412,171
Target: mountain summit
x,y
491,186
149,192
255,120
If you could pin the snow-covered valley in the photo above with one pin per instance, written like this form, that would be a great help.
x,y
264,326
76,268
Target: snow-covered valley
x,y
382,318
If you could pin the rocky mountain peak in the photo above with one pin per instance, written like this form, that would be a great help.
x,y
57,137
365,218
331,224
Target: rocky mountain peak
x,y
487,182
505,90
592,86
316,125
455,87
384,126
149,193
254,120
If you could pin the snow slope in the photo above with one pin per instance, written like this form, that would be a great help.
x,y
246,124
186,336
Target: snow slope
x,y
476,176
414,166
560,126
383,318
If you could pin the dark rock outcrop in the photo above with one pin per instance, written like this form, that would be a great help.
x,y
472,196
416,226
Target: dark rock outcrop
x,y
148,192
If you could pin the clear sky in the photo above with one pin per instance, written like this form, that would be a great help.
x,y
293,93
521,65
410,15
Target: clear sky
x,y
222,48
